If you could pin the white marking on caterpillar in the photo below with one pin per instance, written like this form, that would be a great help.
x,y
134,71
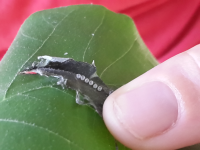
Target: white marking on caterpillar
x,y
78,76
82,77
93,63
99,88
91,82
53,59
87,80
95,86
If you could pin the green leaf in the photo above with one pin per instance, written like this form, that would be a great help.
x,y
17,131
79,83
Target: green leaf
x,y
35,113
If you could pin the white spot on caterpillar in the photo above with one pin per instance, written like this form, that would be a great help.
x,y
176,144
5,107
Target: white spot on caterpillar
x,y
87,80
99,88
82,77
53,59
95,86
78,76
91,82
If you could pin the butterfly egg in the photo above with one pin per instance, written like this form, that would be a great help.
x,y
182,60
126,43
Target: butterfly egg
x,y
78,76
82,77
91,82
87,80
95,86
99,88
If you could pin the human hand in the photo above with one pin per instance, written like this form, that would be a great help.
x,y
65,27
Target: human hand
x,y
161,108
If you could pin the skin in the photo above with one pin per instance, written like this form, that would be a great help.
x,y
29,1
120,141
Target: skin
x,y
159,110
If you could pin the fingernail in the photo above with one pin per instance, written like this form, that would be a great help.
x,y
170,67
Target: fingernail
x,y
147,111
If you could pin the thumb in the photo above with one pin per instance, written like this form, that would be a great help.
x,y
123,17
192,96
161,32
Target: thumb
x,y
161,108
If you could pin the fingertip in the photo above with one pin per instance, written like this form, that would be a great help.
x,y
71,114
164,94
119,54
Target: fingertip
x,y
113,124
135,116
164,118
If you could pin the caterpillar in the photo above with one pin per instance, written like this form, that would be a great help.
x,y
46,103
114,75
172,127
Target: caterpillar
x,y
76,75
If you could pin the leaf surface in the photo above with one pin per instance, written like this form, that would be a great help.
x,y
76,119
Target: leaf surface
x,y
35,113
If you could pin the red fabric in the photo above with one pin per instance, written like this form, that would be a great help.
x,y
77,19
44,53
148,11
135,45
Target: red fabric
x,y
168,27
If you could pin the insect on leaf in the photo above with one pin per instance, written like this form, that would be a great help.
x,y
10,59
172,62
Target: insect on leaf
x,y
76,75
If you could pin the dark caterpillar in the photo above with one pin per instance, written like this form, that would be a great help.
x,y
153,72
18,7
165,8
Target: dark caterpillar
x,y
79,76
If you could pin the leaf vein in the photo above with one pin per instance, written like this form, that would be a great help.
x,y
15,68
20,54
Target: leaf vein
x,y
117,59
35,52
38,88
47,21
27,36
94,34
36,126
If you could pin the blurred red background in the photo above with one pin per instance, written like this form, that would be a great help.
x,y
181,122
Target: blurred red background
x,y
168,27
